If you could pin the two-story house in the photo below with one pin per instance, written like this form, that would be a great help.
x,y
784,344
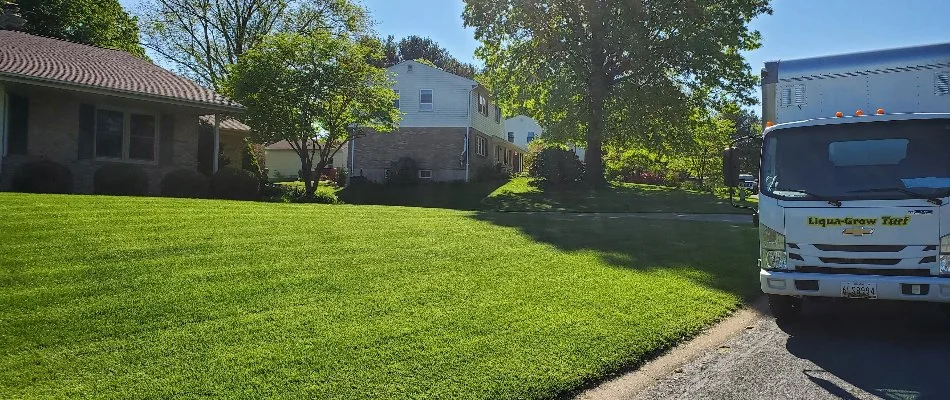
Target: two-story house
x,y
523,129
450,126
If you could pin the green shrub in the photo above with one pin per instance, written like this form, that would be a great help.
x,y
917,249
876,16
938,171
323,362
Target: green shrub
x,y
120,180
403,172
249,161
491,173
556,165
341,177
235,184
185,183
42,177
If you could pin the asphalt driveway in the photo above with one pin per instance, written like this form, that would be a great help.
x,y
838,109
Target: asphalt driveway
x,y
846,350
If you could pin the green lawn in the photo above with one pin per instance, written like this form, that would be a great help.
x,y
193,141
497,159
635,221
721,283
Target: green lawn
x,y
523,194
145,297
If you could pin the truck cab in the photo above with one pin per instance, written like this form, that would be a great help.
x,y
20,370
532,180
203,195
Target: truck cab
x,y
854,193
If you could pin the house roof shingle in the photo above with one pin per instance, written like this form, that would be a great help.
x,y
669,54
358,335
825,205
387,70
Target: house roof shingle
x,y
59,61
281,145
227,123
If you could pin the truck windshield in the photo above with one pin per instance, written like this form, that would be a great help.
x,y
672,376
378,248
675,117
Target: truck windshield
x,y
867,160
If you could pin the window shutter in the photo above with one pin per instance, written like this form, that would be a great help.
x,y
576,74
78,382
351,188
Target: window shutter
x,y
87,131
19,120
166,140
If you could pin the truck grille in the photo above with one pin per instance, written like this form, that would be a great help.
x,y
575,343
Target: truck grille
x,y
863,271
860,248
867,261
887,260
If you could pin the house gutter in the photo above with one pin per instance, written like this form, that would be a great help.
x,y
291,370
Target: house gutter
x,y
52,83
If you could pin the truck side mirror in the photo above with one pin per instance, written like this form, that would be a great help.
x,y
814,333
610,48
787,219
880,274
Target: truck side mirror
x,y
730,167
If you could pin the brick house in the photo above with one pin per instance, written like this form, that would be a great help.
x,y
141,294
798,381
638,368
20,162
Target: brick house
x,y
450,127
85,107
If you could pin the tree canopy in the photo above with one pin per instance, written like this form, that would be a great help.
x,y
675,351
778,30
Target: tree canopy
x,y
100,23
201,38
607,70
416,47
316,91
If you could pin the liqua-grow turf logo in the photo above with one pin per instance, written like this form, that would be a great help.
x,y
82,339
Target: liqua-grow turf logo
x,y
885,220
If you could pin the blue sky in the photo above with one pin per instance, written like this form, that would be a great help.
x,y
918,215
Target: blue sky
x,y
797,28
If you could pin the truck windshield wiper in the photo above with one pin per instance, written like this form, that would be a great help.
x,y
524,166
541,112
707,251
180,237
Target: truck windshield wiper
x,y
916,195
833,202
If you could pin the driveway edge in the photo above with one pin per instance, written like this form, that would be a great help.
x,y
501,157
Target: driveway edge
x,y
632,383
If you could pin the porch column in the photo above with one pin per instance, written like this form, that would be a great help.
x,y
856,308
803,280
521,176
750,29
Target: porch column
x,y
3,125
216,147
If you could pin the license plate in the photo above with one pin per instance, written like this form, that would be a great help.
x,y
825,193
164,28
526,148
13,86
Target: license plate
x,y
859,290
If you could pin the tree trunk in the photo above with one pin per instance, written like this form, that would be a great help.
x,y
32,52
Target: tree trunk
x,y
306,172
599,86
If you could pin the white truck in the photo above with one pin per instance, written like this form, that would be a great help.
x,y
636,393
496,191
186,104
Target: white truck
x,y
854,186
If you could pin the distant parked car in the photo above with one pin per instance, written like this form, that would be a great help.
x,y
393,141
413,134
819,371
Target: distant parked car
x,y
748,182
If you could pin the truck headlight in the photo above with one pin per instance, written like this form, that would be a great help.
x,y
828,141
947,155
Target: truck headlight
x,y
775,259
944,259
772,245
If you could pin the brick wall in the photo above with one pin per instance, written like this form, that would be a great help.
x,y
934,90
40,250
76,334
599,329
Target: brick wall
x,y
438,149
53,132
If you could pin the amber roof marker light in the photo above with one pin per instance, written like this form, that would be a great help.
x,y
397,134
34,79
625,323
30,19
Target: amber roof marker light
x,y
880,111
859,113
839,114
769,124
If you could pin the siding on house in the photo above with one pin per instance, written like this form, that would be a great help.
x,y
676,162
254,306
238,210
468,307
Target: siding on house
x,y
53,134
284,164
486,124
520,126
449,95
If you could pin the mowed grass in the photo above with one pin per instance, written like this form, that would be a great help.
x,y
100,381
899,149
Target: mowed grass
x,y
524,194
144,297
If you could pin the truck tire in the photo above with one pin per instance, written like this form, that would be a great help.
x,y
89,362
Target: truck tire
x,y
785,308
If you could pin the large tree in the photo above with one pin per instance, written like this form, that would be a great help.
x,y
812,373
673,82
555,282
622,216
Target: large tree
x,y
416,47
601,67
201,38
316,91
100,23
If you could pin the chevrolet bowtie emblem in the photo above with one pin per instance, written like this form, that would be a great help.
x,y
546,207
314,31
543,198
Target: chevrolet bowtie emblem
x,y
858,231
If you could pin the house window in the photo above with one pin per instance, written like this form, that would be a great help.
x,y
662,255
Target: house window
x,y
511,137
396,102
482,105
497,115
425,100
425,174
530,136
481,146
125,136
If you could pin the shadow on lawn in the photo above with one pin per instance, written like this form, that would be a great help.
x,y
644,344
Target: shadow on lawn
x,y
451,195
616,198
717,255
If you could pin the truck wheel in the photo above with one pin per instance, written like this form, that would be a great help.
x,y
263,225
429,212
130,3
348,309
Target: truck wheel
x,y
785,308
